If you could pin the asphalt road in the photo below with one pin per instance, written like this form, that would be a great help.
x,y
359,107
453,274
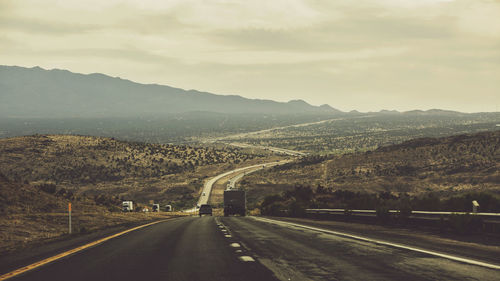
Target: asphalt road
x,y
189,248
298,254
210,248
207,187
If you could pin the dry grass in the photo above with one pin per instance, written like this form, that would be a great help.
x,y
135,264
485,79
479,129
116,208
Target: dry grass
x,y
448,165
141,172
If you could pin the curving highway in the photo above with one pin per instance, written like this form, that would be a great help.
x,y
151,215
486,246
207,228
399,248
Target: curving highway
x,y
240,172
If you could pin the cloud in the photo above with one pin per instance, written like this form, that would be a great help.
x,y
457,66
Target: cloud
x,y
396,53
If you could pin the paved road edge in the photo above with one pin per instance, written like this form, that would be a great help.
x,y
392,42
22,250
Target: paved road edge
x,y
72,251
394,245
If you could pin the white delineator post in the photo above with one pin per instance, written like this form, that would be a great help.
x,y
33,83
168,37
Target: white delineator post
x,y
475,206
69,212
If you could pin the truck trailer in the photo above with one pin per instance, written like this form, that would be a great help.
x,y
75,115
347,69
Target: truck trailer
x,y
234,202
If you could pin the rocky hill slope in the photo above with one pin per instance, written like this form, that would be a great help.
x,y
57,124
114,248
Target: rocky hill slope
x,y
95,166
447,165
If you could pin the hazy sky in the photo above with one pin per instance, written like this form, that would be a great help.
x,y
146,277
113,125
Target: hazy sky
x,y
352,54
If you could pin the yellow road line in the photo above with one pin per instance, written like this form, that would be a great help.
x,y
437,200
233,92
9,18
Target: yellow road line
x,y
70,252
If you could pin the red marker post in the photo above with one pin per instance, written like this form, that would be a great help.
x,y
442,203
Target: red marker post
x,y
69,212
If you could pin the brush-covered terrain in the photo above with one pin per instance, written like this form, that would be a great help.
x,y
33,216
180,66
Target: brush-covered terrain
x,y
368,132
41,174
445,166
93,166
30,215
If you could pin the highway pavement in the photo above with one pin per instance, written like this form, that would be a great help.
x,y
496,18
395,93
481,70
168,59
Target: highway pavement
x,y
207,187
248,248
187,248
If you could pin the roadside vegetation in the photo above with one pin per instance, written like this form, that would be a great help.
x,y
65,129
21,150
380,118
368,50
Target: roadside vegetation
x,y
294,202
444,166
109,170
31,215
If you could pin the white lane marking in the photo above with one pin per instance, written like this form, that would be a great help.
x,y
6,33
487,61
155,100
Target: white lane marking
x,y
235,245
380,242
223,230
228,236
239,251
246,258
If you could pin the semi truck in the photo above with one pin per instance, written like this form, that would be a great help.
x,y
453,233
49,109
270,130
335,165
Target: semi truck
x,y
127,206
235,202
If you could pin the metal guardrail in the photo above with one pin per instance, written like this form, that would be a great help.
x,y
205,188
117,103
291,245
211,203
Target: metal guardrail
x,y
423,213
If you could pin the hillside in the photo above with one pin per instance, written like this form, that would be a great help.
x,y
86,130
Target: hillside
x,y
32,215
94,166
36,92
447,165
19,198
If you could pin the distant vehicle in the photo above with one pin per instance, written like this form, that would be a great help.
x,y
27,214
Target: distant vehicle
x,y
203,194
145,209
127,206
168,208
156,208
234,202
205,209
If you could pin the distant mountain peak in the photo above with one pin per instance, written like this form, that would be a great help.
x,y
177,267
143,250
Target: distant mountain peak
x,y
388,111
301,102
62,93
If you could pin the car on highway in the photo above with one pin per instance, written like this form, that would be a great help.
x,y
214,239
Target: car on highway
x,y
156,207
205,209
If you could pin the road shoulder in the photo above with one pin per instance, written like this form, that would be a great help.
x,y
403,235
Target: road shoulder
x,y
484,248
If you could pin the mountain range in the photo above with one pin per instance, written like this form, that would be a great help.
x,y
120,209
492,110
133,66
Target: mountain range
x,y
41,93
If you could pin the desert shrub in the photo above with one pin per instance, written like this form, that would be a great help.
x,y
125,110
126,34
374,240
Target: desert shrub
x,y
383,213
300,193
275,209
83,229
404,207
48,188
488,202
404,210
295,209
428,202
270,199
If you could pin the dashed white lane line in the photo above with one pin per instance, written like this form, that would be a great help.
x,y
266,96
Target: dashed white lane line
x,y
246,258
235,245
380,242
228,236
238,251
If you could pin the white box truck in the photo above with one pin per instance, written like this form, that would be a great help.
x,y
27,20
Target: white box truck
x,y
127,206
